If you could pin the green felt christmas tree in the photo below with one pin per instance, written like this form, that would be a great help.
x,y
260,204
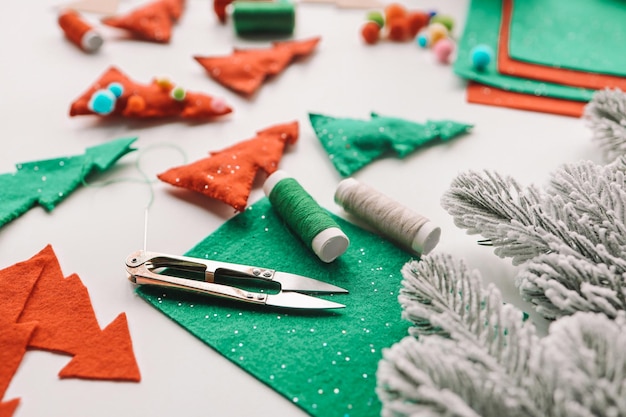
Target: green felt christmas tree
x,y
354,143
50,181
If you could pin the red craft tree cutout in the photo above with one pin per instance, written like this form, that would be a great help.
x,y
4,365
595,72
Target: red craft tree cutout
x,y
228,175
40,309
152,100
245,69
151,22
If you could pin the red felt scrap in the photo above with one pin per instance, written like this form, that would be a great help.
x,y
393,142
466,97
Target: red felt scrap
x,y
108,356
228,175
245,69
41,309
150,100
7,408
151,22
482,94
16,284
13,342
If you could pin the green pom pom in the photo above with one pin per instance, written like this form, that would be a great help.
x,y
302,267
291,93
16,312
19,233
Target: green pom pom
x,y
178,93
447,21
377,18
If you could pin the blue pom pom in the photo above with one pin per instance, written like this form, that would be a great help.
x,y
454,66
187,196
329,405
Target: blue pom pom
x,y
116,88
481,57
422,40
102,102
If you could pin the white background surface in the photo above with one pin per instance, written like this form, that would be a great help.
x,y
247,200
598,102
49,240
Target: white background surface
x,y
95,228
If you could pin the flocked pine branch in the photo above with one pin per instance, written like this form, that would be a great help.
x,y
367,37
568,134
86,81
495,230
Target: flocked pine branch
x,y
606,116
470,355
571,236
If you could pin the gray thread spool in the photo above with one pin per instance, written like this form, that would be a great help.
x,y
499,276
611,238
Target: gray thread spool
x,y
401,224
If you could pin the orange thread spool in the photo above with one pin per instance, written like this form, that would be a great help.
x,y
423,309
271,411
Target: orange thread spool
x,y
79,32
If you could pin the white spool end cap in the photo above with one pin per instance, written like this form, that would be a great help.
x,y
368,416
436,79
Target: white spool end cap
x,y
91,41
329,244
426,239
341,189
273,179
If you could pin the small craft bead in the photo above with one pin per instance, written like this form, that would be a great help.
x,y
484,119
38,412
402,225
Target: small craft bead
x,y
376,17
370,32
398,29
393,11
437,32
135,104
442,50
417,21
481,57
116,88
178,93
102,102
445,20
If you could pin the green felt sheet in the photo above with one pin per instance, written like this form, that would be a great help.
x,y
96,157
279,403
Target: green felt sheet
x,y
482,27
325,361
583,35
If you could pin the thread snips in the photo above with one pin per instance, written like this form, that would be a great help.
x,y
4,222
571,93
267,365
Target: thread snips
x,y
215,278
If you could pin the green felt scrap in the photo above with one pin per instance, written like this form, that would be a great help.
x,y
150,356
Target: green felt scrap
x,y
353,143
580,35
482,26
324,362
50,181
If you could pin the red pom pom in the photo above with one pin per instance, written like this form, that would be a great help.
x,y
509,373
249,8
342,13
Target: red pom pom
x,y
394,11
398,29
370,32
417,21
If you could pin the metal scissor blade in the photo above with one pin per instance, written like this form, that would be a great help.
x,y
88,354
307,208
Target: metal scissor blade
x,y
300,301
293,282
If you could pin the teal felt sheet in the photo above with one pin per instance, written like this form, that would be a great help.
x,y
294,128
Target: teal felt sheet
x,y
583,35
482,26
324,362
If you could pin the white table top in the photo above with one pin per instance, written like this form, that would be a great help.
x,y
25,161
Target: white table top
x,y
94,229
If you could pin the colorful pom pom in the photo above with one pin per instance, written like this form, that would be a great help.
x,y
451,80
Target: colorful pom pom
x,y
423,38
370,32
135,104
417,21
164,83
445,20
481,57
376,17
393,11
398,29
437,31
102,102
218,104
178,93
442,50
116,88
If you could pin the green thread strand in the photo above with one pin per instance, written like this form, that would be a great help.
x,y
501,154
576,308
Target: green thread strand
x,y
299,210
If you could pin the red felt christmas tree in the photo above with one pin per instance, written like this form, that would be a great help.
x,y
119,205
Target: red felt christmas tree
x,y
245,69
157,99
151,22
228,175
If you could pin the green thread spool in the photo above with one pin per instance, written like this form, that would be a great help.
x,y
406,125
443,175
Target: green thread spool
x,y
305,217
263,17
